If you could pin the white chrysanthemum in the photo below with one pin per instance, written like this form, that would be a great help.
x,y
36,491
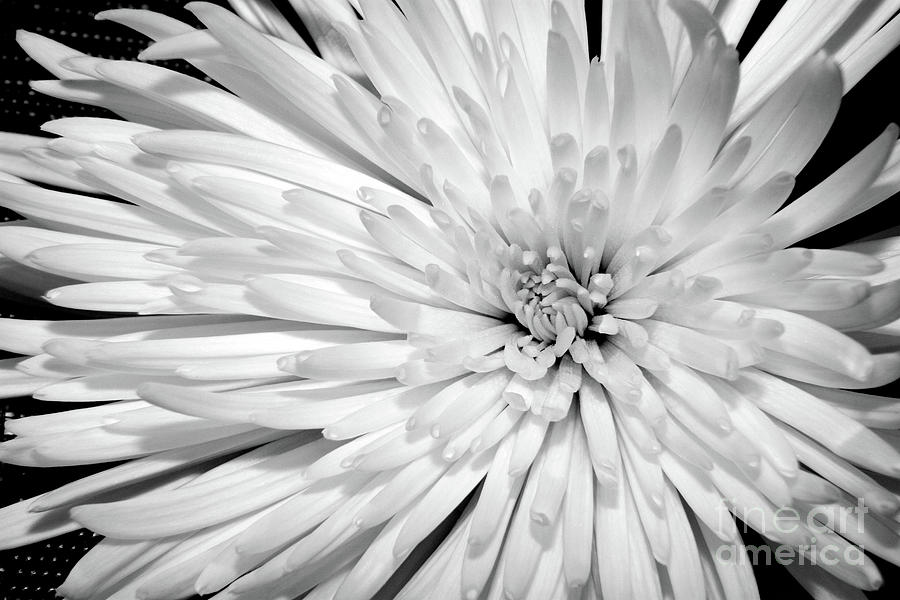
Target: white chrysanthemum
x,y
458,303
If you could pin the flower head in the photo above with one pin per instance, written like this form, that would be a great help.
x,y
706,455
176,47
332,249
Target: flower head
x,y
454,309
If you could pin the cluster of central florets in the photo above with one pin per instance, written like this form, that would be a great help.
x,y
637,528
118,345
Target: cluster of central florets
x,y
562,315
554,305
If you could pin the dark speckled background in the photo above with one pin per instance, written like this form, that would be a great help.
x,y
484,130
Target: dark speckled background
x,y
31,573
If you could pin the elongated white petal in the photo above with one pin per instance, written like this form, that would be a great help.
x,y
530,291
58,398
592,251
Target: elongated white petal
x,y
153,517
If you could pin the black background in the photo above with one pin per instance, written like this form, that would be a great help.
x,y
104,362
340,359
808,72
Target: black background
x,y
30,573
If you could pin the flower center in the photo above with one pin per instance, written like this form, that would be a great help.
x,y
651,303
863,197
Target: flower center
x,y
555,306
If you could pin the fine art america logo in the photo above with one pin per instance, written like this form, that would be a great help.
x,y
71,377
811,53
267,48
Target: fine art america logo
x,y
803,537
